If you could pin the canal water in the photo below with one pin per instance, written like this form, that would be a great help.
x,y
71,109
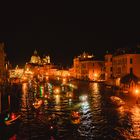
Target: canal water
x,y
98,119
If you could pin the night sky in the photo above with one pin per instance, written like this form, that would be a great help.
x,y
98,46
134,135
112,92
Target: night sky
x,y
66,31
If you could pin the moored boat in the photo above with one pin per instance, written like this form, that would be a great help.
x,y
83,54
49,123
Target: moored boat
x,y
12,118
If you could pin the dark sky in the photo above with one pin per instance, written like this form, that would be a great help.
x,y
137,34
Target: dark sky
x,y
65,30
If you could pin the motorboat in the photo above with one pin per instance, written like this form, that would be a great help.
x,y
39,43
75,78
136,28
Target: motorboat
x,y
37,104
117,101
75,117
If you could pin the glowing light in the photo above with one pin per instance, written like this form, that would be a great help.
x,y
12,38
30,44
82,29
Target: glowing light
x,y
47,77
64,79
24,88
57,91
49,87
84,106
13,116
41,91
57,99
46,96
7,117
95,74
136,91
83,98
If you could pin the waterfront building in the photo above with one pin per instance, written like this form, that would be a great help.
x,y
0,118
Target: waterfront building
x,y
35,59
38,67
38,64
62,73
87,67
108,67
124,62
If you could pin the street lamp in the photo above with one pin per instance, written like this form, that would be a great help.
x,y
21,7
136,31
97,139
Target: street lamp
x,y
136,91
137,95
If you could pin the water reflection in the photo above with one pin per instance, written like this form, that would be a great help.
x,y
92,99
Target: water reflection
x,y
24,95
98,119
135,122
70,102
57,99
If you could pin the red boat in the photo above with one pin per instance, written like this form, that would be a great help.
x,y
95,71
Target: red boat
x,y
12,118
75,117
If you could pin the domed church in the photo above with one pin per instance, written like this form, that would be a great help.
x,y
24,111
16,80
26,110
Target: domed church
x,y
35,59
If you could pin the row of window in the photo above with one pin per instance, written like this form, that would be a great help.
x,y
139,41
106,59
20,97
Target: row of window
x,y
121,61
119,72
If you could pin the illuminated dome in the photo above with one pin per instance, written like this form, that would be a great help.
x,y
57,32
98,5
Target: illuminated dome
x,y
35,58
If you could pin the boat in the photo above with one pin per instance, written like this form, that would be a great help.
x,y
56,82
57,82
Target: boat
x,y
37,104
8,116
75,117
69,94
9,124
12,118
117,101
9,119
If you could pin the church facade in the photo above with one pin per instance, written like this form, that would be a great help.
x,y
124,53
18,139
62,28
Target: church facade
x,y
36,59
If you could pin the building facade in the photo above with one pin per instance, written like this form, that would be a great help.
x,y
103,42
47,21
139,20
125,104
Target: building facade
x,y
108,67
35,59
120,64
87,67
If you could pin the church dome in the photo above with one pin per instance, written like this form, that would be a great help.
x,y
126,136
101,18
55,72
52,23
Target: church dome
x,y
35,58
